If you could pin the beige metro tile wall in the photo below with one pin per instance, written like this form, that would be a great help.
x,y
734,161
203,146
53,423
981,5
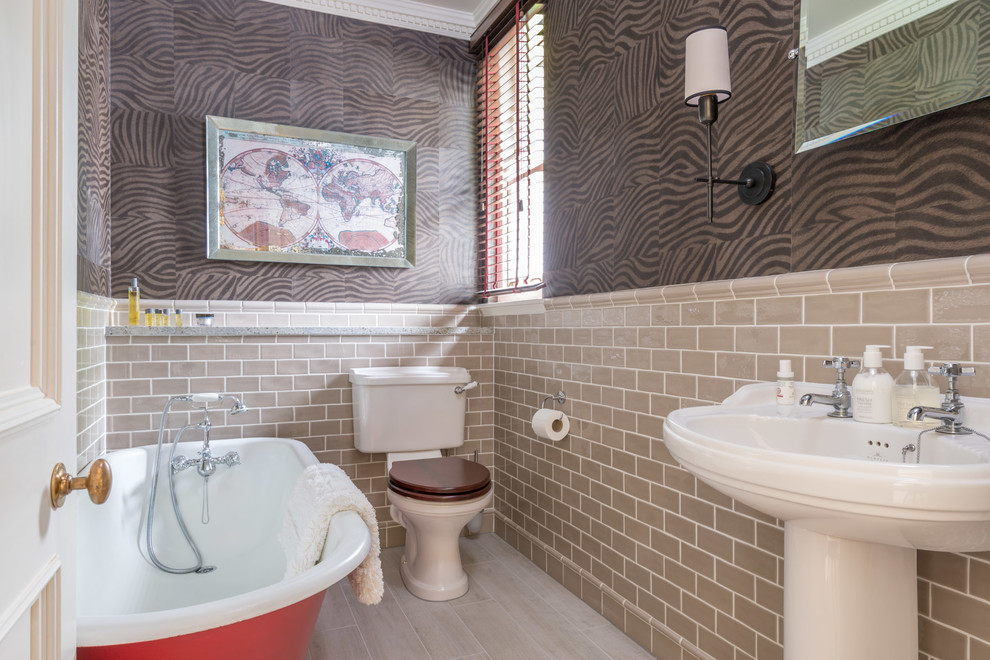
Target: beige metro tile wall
x,y
684,570
296,386
92,317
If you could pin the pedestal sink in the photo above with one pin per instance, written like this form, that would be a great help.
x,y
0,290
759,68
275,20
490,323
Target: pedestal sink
x,y
856,507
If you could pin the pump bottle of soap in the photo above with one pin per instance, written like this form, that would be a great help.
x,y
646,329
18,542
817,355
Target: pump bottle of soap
x,y
133,303
914,387
871,389
785,385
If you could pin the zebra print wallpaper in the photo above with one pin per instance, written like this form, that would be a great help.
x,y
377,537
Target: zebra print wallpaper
x,y
623,210
93,230
175,61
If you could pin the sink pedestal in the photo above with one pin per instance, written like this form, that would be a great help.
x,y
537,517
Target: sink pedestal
x,y
848,599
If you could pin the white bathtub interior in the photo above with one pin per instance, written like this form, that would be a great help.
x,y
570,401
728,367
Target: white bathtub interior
x,y
246,506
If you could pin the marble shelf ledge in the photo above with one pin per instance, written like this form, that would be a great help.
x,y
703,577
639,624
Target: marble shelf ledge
x,y
285,331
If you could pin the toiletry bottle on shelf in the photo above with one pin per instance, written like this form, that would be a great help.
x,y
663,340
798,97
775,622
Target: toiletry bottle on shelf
x,y
785,384
149,317
914,387
178,317
871,389
133,303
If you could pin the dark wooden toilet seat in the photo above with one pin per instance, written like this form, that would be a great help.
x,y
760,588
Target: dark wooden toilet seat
x,y
447,479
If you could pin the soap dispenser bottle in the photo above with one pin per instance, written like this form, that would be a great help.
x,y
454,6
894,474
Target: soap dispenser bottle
x,y
785,384
914,387
133,303
871,389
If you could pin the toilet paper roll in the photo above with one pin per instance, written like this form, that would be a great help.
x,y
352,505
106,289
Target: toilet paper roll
x,y
550,424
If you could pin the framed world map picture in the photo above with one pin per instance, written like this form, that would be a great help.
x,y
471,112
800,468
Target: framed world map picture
x,y
280,193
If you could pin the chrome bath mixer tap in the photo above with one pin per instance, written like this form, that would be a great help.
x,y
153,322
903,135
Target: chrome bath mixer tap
x,y
206,464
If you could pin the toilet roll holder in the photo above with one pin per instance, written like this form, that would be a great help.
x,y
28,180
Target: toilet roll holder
x,y
548,422
559,397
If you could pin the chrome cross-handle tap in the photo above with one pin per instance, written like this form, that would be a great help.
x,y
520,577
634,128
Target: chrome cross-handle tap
x,y
230,459
205,464
180,463
950,412
952,371
841,397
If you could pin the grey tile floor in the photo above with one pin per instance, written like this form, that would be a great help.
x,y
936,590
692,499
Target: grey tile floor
x,y
512,610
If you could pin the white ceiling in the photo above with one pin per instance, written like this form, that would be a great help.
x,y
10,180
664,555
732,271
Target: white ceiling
x,y
453,18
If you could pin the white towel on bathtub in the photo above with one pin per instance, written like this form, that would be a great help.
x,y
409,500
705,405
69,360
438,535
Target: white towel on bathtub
x,y
321,491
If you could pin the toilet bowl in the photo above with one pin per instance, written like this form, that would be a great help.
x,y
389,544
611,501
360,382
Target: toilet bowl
x,y
412,414
434,499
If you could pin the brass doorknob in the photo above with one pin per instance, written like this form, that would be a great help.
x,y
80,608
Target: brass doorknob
x,y
97,483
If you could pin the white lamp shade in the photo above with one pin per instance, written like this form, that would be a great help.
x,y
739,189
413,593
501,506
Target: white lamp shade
x,y
706,65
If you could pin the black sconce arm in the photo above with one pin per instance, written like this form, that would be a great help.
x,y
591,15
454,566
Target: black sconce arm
x,y
749,183
757,180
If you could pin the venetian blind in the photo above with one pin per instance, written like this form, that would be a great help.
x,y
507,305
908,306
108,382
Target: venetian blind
x,y
512,102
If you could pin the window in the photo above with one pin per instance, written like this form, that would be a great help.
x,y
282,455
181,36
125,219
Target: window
x,y
512,101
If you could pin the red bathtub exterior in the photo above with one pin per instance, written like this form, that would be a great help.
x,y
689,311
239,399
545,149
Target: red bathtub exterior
x,y
282,634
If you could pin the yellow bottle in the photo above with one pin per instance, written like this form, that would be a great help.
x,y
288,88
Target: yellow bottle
x,y
133,303
149,317
178,318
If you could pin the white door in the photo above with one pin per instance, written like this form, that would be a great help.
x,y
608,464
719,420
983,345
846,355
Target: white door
x,y
38,101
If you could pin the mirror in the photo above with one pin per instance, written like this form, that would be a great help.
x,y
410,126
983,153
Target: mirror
x,y
867,64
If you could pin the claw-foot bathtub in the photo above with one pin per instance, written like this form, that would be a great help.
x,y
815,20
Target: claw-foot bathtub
x,y
243,609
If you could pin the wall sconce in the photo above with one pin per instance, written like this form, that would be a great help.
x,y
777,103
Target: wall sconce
x,y
706,84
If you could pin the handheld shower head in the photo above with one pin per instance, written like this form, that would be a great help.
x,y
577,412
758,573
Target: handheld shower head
x,y
212,397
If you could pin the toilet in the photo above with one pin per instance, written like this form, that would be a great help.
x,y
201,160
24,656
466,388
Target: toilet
x,y
411,414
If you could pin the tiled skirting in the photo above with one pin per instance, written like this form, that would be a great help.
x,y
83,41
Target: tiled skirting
x,y
296,384
608,512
